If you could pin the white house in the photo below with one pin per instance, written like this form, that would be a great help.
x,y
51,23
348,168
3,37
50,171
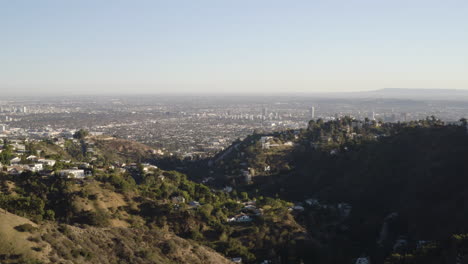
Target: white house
x,y
147,167
36,167
32,158
19,147
72,174
237,260
47,162
265,142
15,160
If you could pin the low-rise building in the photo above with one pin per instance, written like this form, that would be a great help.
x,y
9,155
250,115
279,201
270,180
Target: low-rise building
x,y
36,167
15,160
47,162
72,174
32,158
177,199
237,260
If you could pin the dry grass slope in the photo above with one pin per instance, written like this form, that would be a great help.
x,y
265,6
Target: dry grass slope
x,y
52,243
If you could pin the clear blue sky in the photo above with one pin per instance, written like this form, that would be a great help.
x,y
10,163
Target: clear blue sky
x,y
262,46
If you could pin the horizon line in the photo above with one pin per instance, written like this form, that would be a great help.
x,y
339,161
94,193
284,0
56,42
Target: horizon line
x,y
220,93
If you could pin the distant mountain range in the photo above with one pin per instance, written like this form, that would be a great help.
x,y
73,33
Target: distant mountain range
x,y
411,94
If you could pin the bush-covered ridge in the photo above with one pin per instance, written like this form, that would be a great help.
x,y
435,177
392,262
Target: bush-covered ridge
x,y
417,170
137,199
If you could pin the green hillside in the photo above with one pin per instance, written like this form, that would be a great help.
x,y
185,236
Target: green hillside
x,y
417,170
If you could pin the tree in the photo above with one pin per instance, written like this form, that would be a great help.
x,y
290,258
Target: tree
x,y
463,121
81,134
244,196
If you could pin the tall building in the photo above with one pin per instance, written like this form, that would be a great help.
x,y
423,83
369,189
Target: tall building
x,y
312,112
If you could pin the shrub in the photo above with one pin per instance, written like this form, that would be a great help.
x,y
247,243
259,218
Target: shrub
x,y
38,249
49,215
26,228
196,235
169,247
82,252
34,239
64,229
92,197
98,218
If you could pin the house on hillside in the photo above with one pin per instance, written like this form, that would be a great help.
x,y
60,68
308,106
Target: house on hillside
x,y
265,141
82,165
194,204
363,260
36,167
177,199
237,260
72,174
312,202
32,158
147,167
15,160
244,218
47,162
299,208
15,169
20,148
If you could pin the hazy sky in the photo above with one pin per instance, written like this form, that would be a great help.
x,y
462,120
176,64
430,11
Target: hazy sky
x,y
153,46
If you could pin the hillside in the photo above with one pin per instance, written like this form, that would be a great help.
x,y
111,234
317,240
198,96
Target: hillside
x,y
121,150
336,191
50,242
140,212
401,182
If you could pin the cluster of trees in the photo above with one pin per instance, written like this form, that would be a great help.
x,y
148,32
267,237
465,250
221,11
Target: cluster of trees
x,y
30,197
81,134
449,250
416,169
270,236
